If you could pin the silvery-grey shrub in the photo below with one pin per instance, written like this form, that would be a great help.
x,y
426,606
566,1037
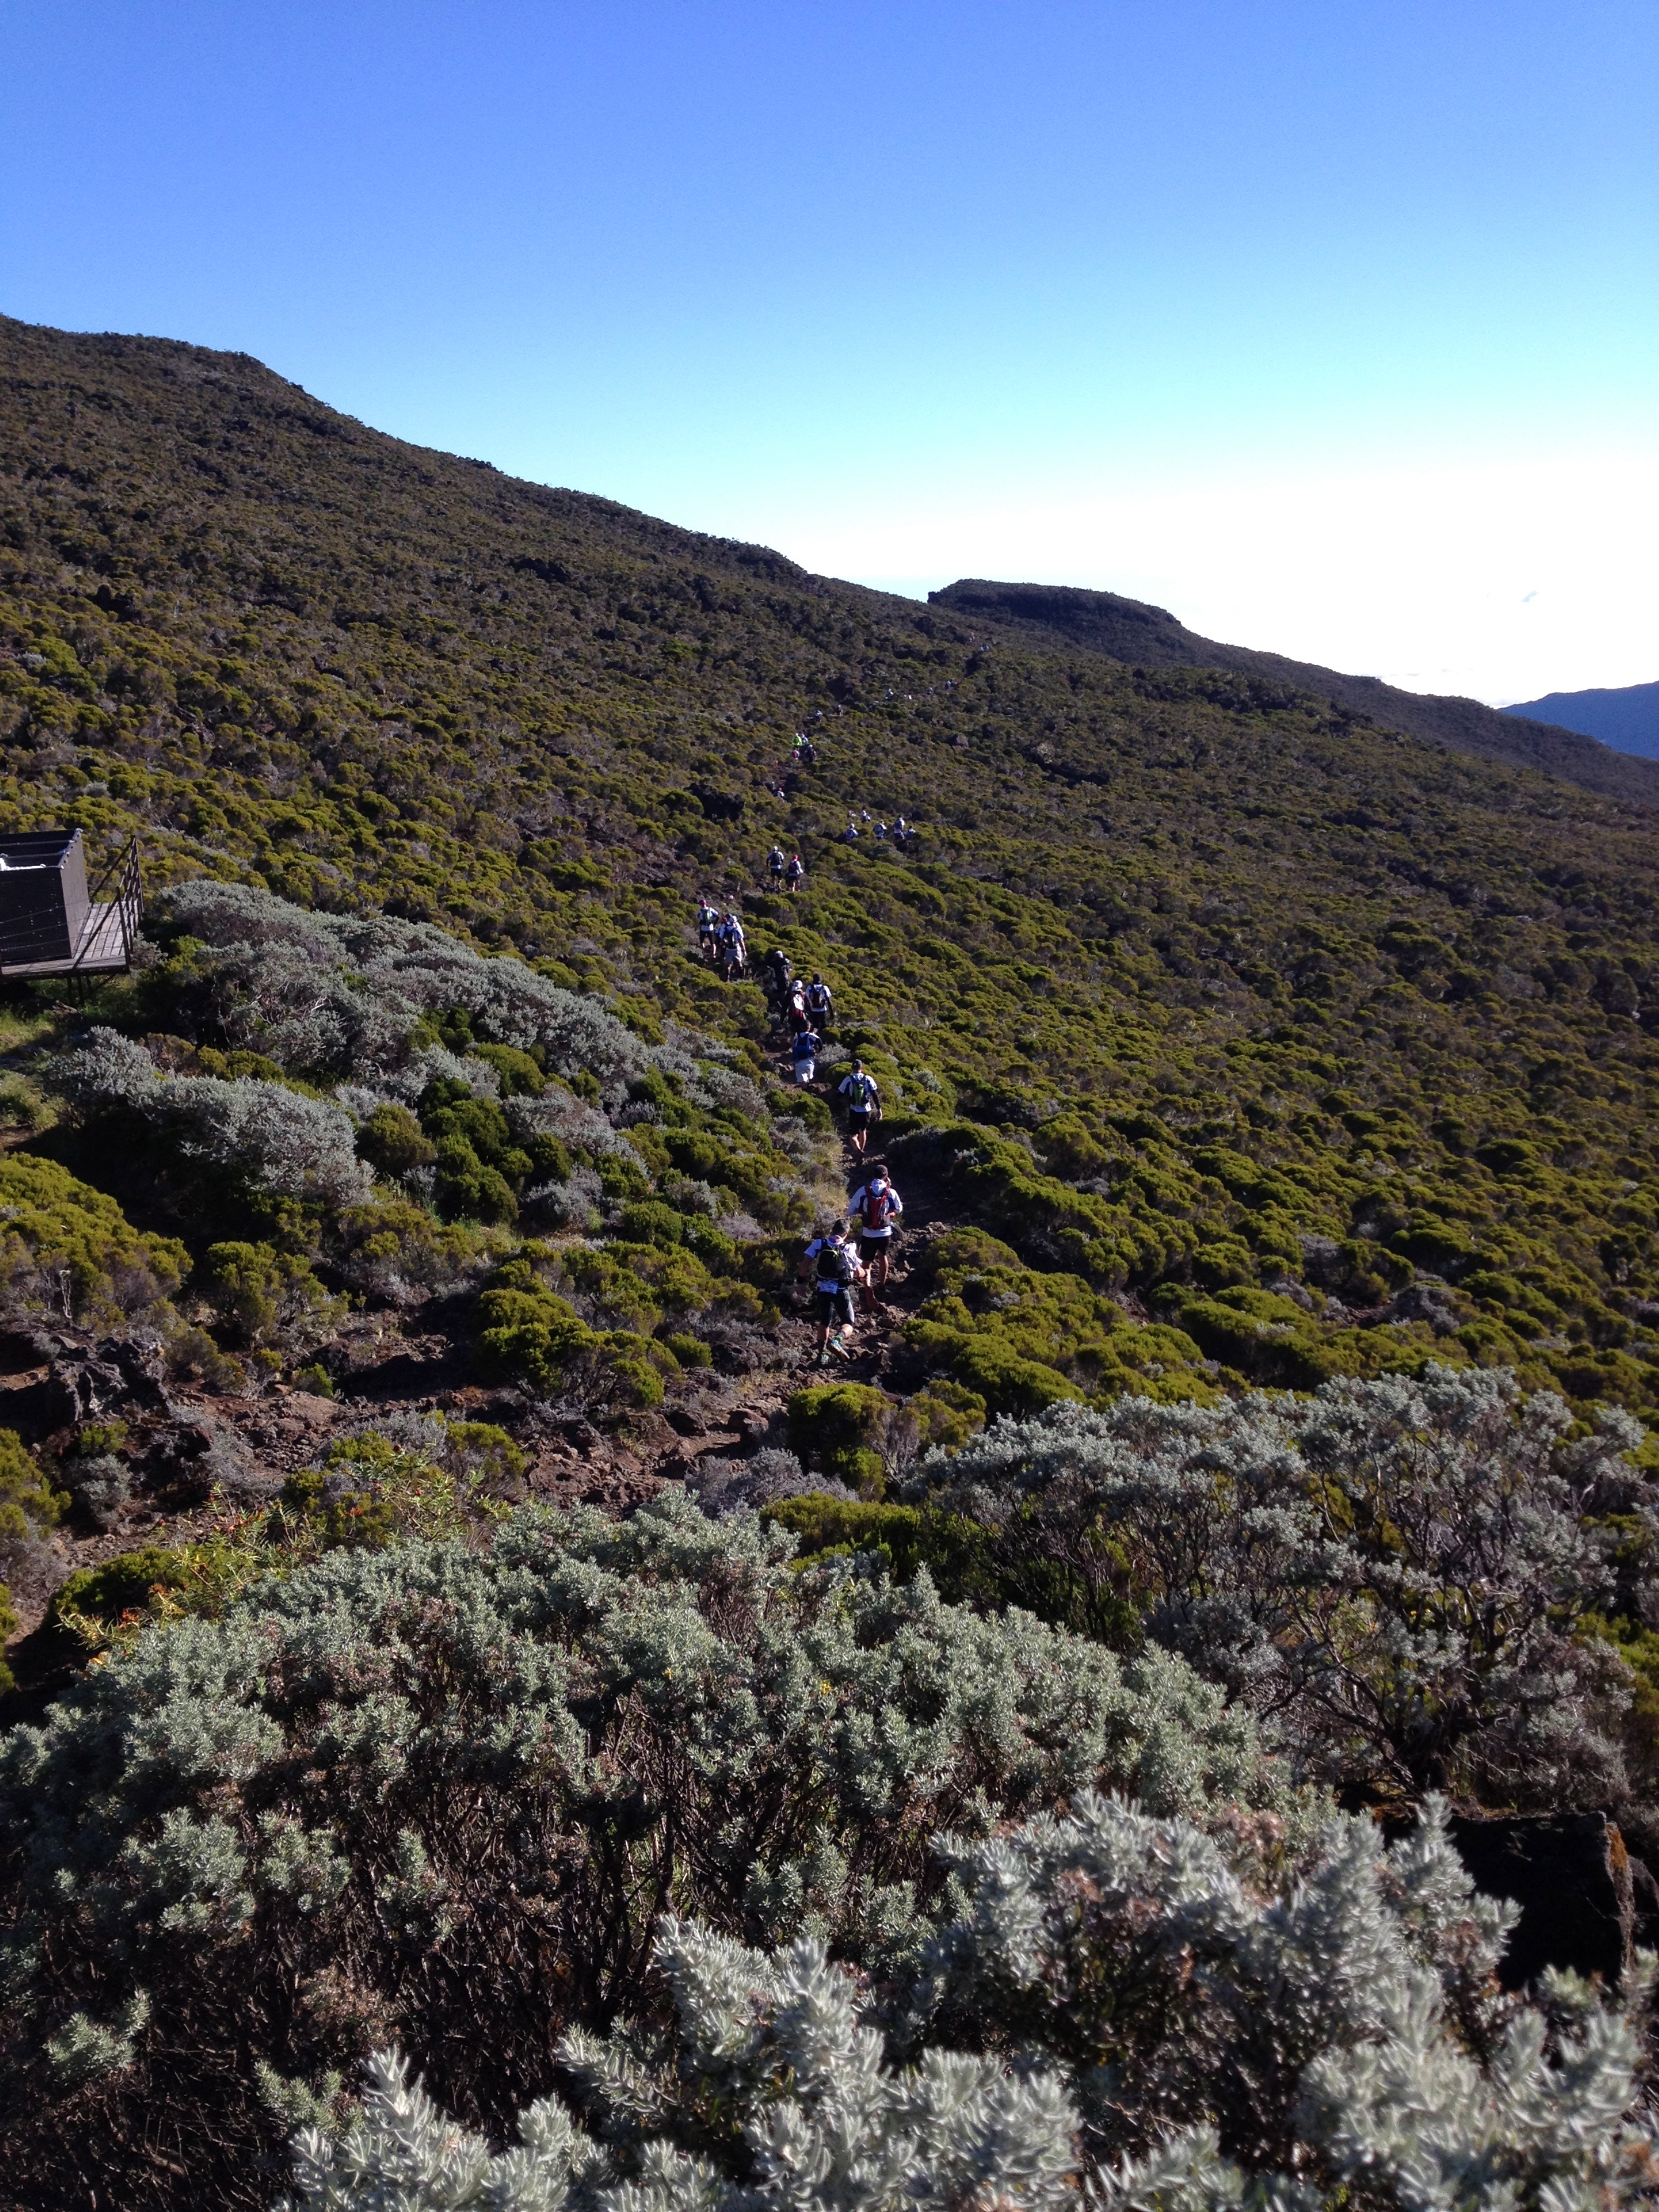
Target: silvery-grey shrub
x,y
771,2095
450,1793
1123,2012
340,993
1392,1571
281,1141
724,1486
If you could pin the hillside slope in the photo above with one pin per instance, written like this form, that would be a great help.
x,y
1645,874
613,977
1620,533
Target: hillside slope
x,y
1214,1000
1147,636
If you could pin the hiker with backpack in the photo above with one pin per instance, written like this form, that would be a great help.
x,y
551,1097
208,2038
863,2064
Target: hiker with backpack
x,y
880,1211
834,1267
793,873
708,929
820,1003
776,971
734,949
774,862
804,1052
863,1104
797,1016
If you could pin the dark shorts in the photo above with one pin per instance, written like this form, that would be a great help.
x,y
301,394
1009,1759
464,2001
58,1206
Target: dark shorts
x,y
859,1117
836,1305
872,1248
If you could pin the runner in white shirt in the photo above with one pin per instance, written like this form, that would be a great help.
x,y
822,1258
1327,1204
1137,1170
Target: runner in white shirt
x,y
879,1210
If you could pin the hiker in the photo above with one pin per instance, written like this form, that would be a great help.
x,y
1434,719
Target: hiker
x,y
820,1004
775,970
803,1055
831,1262
708,929
879,1210
863,1104
852,830
793,873
775,861
881,833
800,1019
734,949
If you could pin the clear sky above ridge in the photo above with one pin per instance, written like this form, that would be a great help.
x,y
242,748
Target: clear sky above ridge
x,y
1331,325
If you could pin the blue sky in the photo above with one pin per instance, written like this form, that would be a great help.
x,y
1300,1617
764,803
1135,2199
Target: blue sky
x,y
1334,327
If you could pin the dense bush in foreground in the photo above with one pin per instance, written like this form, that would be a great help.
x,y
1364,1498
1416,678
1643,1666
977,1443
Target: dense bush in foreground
x,y
1400,1574
447,1795
1112,2005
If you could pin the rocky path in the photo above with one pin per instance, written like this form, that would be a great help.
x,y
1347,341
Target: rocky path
x,y
185,1443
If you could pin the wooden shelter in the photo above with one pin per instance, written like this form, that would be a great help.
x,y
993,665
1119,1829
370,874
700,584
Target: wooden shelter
x,y
50,923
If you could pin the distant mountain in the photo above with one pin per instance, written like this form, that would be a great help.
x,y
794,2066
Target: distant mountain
x,y
1627,719
1149,637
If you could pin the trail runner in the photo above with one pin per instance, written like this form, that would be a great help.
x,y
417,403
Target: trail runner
x,y
803,1053
834,1267
734,948
775,972
863,1104
879,1211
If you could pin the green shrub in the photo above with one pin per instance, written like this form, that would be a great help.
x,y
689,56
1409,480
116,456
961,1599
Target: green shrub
x,y
946,1414
103,1595
527,1335
1005,1383
838,1427
28,1503
370,1491
958,1554
69,1249
468,1190
519,1076
648,1221
689,1351
107,1605
259,1296
393,1142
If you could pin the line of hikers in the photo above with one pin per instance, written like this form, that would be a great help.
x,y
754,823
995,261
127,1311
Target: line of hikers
x,y
721,941
840,1271
903,833
786,873
782,776
805,1009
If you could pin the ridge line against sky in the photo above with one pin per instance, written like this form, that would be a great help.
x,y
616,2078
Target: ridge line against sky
x,y
1335,331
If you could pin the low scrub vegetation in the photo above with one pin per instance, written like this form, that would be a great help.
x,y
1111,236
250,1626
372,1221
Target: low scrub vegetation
x,y
984,1801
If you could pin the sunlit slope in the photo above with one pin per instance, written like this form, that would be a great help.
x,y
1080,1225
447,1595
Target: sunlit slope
x,y
1240,991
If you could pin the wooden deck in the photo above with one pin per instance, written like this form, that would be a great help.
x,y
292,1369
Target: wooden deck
x,y
102,950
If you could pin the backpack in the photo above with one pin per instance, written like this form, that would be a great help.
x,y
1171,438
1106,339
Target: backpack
x,y
834,1264
860,1093
880,1206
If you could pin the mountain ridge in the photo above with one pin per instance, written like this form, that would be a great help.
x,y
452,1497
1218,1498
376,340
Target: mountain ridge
x,y
1133,631
1624,716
